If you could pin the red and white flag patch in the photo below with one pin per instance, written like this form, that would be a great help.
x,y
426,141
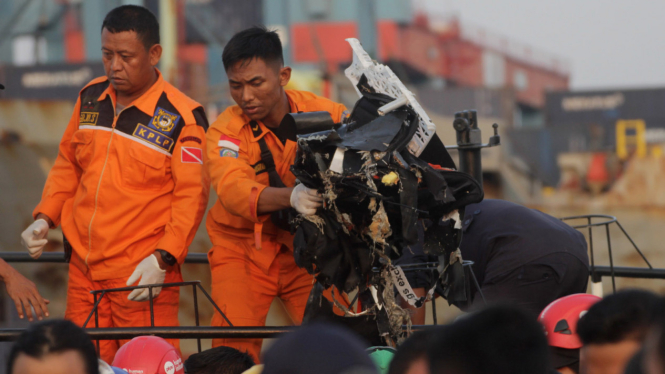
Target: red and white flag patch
x,y
191,155
228,142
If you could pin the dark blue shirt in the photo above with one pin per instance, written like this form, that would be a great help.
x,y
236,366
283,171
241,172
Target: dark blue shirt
x,y
510,235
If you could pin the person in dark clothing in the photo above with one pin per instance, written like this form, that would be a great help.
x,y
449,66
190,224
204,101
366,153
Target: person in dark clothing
x,y
520,255
615,328
318,348
219,360
498,340
411,356
53,346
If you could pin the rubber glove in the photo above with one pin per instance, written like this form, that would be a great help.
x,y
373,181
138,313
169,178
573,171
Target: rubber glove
x,y
34,237
149,272
305,200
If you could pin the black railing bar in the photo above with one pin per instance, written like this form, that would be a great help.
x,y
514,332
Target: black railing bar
x,y
612,219
214,304
152,306
131,288
94,307
183,332
196,314
629,272
609,251
594,277
634,245
59,257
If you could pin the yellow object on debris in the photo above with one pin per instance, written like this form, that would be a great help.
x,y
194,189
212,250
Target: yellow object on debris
x,y
390,179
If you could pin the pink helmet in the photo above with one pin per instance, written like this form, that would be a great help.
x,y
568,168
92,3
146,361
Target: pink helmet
x,y
560,319
149,355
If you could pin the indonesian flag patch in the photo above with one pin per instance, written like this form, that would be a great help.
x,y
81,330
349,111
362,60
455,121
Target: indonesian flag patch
x,y
229,143
191,155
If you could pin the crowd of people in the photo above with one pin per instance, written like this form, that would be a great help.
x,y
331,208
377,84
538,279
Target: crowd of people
x,y
580,333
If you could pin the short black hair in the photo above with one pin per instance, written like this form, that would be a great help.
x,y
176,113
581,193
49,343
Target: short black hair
x,y
133,18
255,42
219,360
622,316
499,339
413,349
54,336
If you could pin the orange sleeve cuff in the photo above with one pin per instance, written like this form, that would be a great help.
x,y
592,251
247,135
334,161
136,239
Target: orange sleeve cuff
x,y
51,208
254,195
172,245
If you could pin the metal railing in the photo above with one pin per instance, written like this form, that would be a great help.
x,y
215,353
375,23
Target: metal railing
x,y
597,272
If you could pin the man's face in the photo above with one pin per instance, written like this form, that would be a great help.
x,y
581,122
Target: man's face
x,y
67,362
127,63
610,358
257,87
652,362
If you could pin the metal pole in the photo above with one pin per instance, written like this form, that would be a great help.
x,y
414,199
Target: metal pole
x,y
196,314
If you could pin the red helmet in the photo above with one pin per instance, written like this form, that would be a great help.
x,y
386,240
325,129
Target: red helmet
x,y
560,319
149,355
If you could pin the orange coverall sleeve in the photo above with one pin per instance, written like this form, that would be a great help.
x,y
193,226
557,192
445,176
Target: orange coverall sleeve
x,y
233,178
65,175
190,193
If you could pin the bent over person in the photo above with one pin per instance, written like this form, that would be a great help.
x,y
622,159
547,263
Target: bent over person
x,y
249,156
128,185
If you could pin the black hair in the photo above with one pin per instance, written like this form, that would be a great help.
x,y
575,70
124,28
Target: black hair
x,y
413,349
54,336
499,339
134,18
219,360
624,315
255,42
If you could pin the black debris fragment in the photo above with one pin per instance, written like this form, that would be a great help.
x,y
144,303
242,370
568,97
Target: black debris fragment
x,y
376,193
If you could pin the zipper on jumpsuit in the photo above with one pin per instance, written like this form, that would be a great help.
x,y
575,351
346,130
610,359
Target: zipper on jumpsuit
x,y
99,183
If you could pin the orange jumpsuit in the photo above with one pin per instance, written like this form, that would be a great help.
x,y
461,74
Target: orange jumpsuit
x,y
122,186
252,260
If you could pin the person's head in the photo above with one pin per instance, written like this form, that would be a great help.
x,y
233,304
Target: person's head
x,y
55,347
499,339
652,360
254,64
613,330
318,348
560,319
130,48
411,356
219,360
149,355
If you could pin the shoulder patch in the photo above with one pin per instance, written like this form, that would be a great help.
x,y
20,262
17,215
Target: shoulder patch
x,y
190,139
229,143
164,121
227,152
191,155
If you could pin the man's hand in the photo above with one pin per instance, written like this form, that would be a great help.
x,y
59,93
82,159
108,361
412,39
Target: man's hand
x,y
149,272
305,200
23,292
34,237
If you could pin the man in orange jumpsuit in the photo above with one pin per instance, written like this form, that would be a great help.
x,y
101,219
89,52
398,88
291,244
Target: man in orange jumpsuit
x,y
251,259
128,185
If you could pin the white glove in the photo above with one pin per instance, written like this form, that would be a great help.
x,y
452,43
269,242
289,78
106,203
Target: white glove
x,y
150,273
34,237
305,200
